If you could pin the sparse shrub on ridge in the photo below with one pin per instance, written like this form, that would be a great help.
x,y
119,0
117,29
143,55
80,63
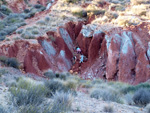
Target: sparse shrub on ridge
x,y
142,97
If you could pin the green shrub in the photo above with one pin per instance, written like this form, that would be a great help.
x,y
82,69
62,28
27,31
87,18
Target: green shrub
x,y
142,97
108,109
5,10
25,83
2,38
35,32
62,76
71,84
3,59
80,13
19,31
50,74
53,86
86,83
2,109
12,62
134,88
62,102
33,95
97,81
2,71
105,94
72,1
128,98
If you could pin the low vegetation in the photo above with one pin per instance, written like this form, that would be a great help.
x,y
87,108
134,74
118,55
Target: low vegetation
x,y
108,109
62,102
141,97
12,62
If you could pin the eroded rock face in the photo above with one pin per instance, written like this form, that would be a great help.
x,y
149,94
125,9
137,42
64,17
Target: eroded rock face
x,y
118,54
126,56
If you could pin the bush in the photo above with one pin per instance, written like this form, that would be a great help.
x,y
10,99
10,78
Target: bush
x,y
10,29
105,94
50,74
135,88
71,84
53,86
28,35
35,32
72,1
108,109
3,59
128,98
19,31
2,71
62,102
31,96
2,109
38,6
5,10
12,62
47,19
79,12
62,76
142,97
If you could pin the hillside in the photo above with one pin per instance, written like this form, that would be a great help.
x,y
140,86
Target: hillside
x,y
104,40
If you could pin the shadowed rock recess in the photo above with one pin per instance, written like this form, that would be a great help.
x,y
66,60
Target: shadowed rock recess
x,y
118,54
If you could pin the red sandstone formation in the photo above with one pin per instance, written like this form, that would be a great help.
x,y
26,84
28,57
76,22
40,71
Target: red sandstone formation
x,y
126,56
118,54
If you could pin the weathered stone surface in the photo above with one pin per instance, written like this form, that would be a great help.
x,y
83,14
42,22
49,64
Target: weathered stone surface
x,y
126,56
118,54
